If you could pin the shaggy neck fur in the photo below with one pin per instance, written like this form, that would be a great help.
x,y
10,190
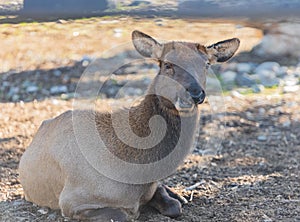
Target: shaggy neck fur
x,y
139,117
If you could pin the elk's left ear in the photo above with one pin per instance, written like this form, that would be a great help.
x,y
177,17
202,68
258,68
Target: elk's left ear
x,y
222,51
146,45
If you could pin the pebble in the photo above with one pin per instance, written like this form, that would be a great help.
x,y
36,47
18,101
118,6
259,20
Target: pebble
x,y
109,21
261,111
286,124
32,89
12,91
257,88
268,78
15,98
66,96
111,91
58,89
249,115
228,79
118,32
43,211
17,203
5,84
262,138
75,34
27,83
61,21
57,72
244,67
290,80
287,89
271,66
65,79
238,95
52,217
244,80
282,71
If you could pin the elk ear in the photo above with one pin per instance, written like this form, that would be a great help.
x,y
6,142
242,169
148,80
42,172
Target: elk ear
x,y
146,45
222,51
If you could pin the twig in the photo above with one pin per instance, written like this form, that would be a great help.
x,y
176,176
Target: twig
x,y
192,195
195,185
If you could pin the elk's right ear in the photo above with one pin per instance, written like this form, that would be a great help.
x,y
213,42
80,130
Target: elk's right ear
x,y
146,45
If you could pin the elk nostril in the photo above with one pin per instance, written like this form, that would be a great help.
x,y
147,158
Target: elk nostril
x,y
198,98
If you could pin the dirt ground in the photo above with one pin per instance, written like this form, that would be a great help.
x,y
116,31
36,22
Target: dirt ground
x,y
252,176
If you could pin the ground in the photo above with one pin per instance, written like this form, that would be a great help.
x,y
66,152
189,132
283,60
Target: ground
x,y
253,173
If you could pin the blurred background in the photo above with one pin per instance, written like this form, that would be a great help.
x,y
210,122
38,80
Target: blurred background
x,y
245,166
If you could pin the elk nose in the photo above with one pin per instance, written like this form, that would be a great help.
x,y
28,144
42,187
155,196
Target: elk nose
x,y
198,98
197,94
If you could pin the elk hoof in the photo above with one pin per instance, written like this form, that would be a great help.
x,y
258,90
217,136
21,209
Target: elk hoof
x,y
165,204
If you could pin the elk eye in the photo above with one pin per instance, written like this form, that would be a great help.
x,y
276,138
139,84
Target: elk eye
x,y
168,65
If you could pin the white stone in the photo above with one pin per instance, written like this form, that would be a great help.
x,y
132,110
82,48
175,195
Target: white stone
x,y
58,89
57,72
32,89
244,67
288,89
270,66
228,76
262,138
268,78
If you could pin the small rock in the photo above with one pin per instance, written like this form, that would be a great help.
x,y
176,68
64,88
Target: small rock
x,y
86,60
57,72
262,138
257,88
146,80
58,89
287,89
261,111
268,78
244,67
65,79
5,84
290,80
118,32
12,91
228,76
282,71
85,63
61,21
43,211
52,217
111,91
75,34
244,80
109,21
32,89
237,94
45,92
15,98
270,66
27,83
66,96
286,124
228,79
18,203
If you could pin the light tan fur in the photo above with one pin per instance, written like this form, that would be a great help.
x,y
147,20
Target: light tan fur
x,y
54,173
